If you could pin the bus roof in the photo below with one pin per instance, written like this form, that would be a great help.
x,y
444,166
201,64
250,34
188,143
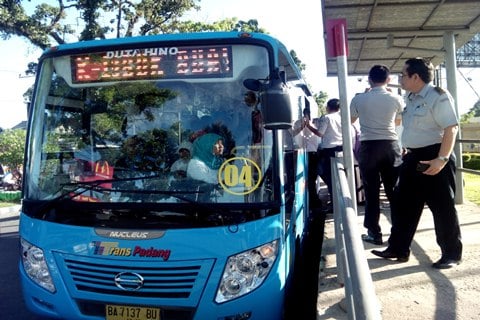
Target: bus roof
x,y
220,36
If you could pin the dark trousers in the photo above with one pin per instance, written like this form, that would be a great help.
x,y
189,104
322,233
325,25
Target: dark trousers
x,y
379,161
313,199
414,190
325,165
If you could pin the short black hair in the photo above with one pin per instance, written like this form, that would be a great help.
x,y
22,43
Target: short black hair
x,y
333,104
421,66
379,73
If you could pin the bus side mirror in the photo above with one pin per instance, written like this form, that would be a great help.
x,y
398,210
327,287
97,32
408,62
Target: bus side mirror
x,y
276,106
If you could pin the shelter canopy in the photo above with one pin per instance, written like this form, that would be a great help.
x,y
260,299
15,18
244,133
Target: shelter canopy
x,y
391,31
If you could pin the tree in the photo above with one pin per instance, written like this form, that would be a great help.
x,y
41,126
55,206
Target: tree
x,y
297,61
48,25
473,112
321,99
12,146
476,109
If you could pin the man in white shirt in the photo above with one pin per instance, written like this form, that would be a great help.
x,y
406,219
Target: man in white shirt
x,y
306,138
330,130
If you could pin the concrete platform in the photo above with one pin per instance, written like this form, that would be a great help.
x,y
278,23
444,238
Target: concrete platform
x,y
412,290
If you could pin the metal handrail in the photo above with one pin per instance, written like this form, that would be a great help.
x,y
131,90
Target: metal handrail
x,y
468,140
462,169
353,270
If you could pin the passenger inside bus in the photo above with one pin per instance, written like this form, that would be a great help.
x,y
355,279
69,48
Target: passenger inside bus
x,y
207,158
179,167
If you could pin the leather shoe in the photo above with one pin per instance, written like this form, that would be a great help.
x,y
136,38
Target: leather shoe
x,y
388,254
372,239
328,208
445,263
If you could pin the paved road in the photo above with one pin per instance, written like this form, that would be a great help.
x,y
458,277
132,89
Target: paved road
x,y
413,290
11,300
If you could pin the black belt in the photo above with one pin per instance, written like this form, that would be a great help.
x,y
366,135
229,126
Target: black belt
x,y
430,151
422,149
333,148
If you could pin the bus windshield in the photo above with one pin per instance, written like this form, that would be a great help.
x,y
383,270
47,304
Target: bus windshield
x,y
150,125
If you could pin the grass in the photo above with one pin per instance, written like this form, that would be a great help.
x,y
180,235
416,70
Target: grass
x,y
471,190
8,204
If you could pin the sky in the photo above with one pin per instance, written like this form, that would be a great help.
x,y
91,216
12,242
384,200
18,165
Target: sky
x,y
299,27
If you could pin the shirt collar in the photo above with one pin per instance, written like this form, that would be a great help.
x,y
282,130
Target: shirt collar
x,y
379,88
422,93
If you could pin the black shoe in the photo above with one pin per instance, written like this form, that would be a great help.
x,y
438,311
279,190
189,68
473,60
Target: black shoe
x,y
328,208
388,254
446,263
372,239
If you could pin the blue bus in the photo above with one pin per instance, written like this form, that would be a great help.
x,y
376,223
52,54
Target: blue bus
x,y
162,179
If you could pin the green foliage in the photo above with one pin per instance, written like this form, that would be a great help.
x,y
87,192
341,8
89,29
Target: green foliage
x,y
473,112
38,28
48,25
148,16
229,24
465,118
12,146
471,161
476,109
90,15
321,99
297,61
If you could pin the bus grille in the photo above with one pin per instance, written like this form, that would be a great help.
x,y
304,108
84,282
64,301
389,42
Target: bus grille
x,y
167,280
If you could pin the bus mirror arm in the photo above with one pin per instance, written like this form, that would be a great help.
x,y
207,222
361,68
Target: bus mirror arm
x,y
252,84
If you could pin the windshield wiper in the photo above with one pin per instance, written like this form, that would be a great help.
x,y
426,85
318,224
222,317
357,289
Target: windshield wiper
x,y
83,186
173,193
80,187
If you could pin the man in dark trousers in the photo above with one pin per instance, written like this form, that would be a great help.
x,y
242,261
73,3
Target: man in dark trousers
x,y
379,158
427,174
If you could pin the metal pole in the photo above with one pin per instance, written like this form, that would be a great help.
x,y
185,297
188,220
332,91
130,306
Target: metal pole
x,y
345,111
451,69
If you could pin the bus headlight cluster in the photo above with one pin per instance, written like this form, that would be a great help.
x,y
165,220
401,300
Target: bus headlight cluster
x,y
35,266
246,271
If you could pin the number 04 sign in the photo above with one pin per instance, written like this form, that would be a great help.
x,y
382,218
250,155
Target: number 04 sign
x,y
239,176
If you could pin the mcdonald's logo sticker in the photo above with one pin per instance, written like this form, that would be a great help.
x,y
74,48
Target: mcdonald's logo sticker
x,y
102,169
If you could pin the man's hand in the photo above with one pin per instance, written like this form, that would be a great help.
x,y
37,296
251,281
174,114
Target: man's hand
x,y
436,165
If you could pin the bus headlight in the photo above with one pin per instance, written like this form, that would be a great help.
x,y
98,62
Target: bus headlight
x,y
35,265
246,271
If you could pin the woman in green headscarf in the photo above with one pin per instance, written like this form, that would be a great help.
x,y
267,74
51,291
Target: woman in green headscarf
x,y
207,157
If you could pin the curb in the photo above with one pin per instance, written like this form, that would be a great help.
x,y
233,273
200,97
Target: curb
x,y
9,212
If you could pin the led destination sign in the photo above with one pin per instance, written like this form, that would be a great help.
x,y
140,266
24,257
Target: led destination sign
x,y
152,63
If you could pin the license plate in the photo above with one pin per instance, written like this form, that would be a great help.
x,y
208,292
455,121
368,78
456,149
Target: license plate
x,y
116,312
